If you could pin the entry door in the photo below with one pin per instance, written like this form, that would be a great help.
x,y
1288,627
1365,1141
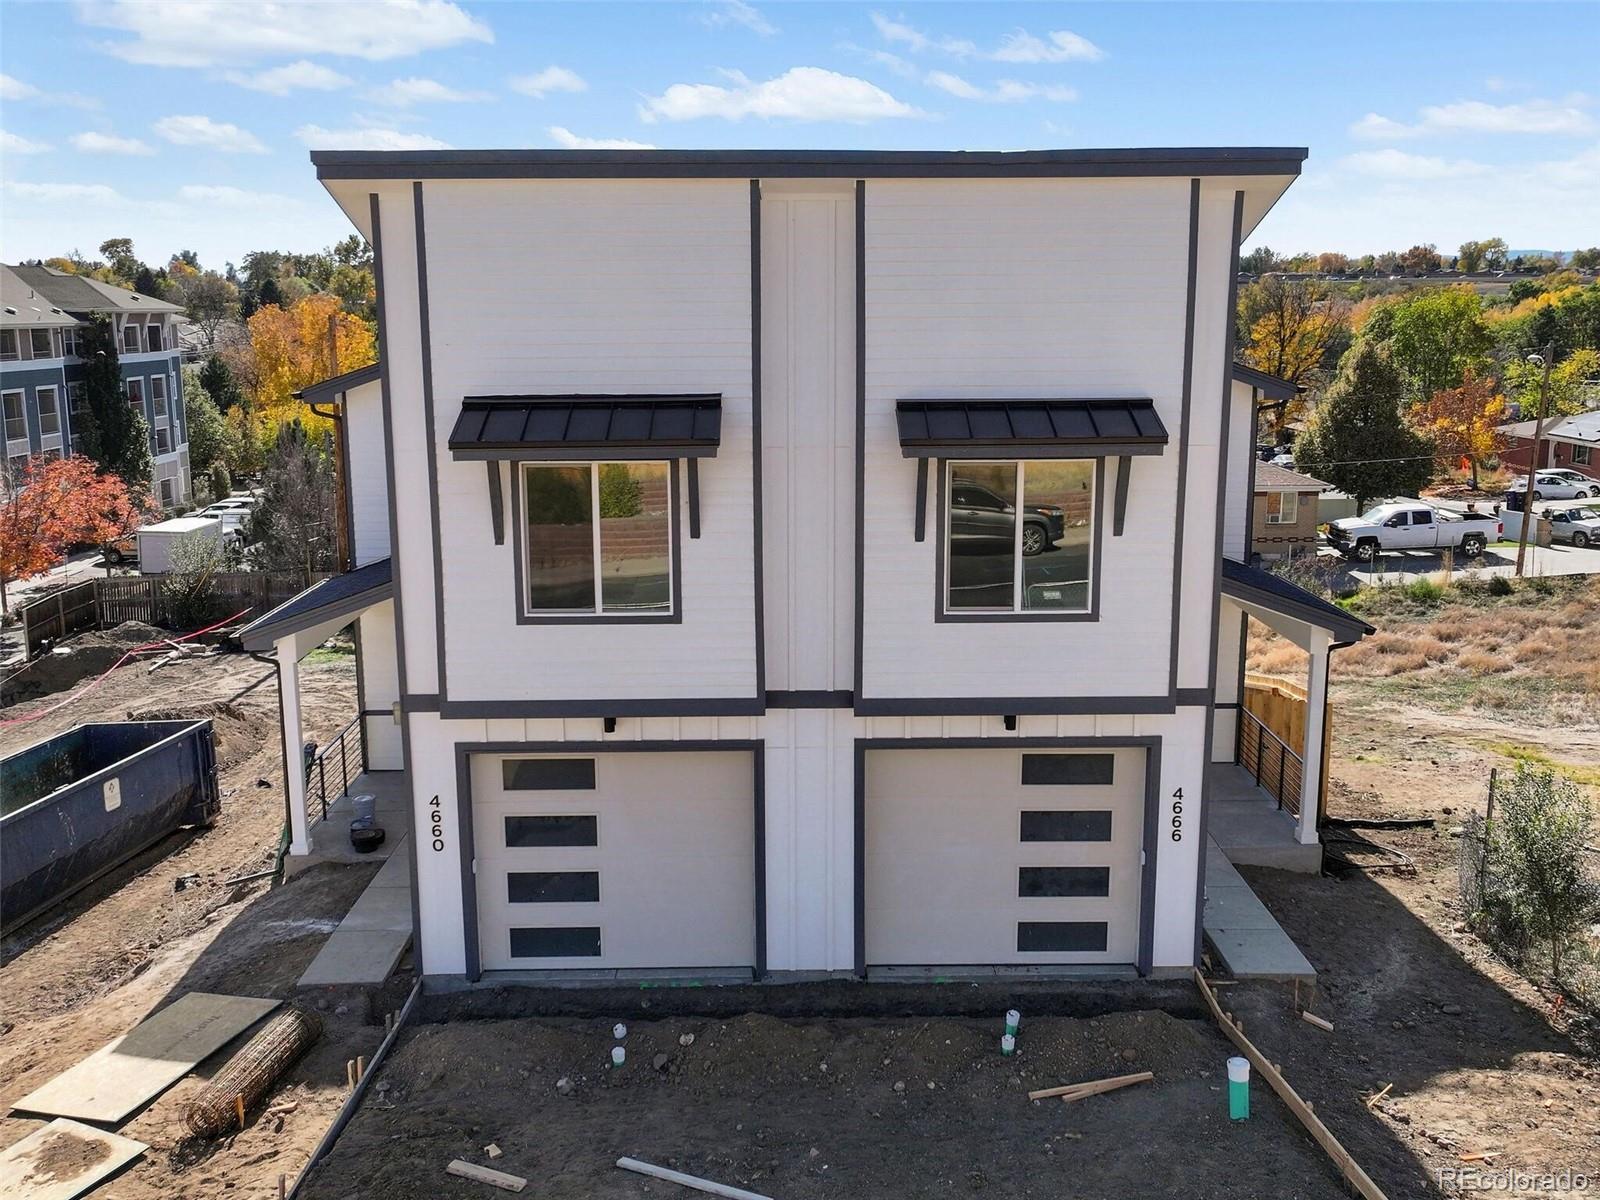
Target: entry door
x,y
978,856
621,860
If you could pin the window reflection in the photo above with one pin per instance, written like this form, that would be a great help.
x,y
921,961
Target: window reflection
x,y
635,543
982,524
560,564
1033,557
1057,513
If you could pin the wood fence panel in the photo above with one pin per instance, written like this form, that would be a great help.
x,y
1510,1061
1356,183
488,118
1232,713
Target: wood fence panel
x,y
60,614
1280,705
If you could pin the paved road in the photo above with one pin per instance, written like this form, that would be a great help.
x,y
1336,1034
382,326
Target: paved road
x,y
1404,566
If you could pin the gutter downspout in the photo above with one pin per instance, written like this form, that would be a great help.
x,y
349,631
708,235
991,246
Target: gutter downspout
x,y
283,744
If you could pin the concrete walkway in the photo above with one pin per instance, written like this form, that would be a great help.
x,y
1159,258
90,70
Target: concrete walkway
x,y
368,943
1241,931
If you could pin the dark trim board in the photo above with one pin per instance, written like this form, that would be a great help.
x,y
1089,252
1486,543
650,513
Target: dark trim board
x,y
758,582
1184,424
810,699
386,394
861,428
464,751
1149,845
1008,706
807,164
430,440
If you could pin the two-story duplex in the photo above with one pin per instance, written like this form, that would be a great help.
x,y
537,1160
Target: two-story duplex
x,y
801,562
41,368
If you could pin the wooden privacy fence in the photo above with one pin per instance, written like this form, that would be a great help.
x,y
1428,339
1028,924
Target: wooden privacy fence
x,y
1278,706
101,603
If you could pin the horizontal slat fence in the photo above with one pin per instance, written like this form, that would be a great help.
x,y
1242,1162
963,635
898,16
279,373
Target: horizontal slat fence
x,y
101,603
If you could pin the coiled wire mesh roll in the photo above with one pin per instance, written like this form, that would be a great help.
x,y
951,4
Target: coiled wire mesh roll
x,y
250,1074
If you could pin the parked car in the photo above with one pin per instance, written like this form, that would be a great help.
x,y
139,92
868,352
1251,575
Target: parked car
x,y
123,550
1286,461
1580,526
1577,477
1555,485
981,521
1412,525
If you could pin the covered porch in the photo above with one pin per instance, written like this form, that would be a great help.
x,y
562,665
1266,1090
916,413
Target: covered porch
x,y
1268,774
365,758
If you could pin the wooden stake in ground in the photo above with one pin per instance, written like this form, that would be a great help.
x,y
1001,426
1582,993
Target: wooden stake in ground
x,y
688,1181
1358,1178
462,1169
1320,1022
1091,1087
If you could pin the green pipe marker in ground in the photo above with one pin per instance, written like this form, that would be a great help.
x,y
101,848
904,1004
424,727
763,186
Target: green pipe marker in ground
x,y
1238,1088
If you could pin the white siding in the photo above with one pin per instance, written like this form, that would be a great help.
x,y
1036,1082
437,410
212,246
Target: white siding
x,y
808,437
369,481
1241,450
1023,288
594,287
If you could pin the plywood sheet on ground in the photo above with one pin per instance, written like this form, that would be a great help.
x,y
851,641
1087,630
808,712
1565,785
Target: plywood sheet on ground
x,y
117,1080
63,1160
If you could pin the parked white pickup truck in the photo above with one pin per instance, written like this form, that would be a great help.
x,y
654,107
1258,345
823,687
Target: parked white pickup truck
x,y
1412,525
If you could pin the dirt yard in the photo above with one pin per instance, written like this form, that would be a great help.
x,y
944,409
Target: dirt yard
x,y
134,941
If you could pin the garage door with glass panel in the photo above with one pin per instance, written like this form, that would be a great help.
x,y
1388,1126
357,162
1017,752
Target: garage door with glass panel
x,y
979,856
626,860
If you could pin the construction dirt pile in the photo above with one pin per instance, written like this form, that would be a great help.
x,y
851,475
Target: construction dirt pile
x,y
77,659
805,1108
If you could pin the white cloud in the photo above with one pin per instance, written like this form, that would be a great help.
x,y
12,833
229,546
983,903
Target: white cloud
x,y
208,134
898,33
109,143
1569,117
1007,91
210,33
12,88
1376,128
403,93
552,79
93,193
737,12
11,143
1397,164
301,76
799,94
568,140
1062,46
318,138
224,196
1057,46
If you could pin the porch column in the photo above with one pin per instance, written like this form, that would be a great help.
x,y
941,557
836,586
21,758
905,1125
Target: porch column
x,y
1316,722
293,739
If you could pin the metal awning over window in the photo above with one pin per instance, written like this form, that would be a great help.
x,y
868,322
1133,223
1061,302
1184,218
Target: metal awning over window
x,y
1029,428
615,428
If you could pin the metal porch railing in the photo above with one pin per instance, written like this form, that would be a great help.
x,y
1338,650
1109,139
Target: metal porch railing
x,y
1275,768
333,767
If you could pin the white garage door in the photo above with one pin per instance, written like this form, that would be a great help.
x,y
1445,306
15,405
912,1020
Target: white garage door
x,y
1003,856
615,860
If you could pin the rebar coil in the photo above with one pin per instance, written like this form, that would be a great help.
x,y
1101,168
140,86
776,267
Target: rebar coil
x,y
251,1073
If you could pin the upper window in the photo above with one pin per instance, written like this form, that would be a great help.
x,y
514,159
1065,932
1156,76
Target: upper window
x,y
49,412
130,338
158,395
69,342
1035,556
1283,508
42,343
154,332
136,393
16,418
597,540
8,344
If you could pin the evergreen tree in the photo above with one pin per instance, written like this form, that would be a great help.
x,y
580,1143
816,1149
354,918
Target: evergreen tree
x,y
220,384
270,293
1356,440
110,432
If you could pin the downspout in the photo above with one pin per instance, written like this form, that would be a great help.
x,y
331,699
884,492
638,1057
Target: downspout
x,y
283,743
341,488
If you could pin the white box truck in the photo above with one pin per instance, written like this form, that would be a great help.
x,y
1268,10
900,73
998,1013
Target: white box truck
x,y
156,541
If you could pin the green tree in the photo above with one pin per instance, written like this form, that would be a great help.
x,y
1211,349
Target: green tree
x,y
1355,438
1535,860
292,529
220,384
1435,336
1583,260
1469,259
110,431
212,439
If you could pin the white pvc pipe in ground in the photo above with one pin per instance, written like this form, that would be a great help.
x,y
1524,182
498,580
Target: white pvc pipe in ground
x,y
689,1181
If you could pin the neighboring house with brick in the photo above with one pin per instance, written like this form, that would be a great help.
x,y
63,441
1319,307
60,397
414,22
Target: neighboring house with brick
x,y
44,381
773,563
1284,513
1569,442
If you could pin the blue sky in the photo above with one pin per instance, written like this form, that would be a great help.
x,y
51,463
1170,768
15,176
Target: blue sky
x,y
186,123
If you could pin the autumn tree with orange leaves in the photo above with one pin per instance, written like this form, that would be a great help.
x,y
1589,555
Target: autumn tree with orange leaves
x,y
1464,421
292,349
60,503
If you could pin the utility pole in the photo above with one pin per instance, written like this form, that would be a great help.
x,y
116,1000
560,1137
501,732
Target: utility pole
x,y
1544,361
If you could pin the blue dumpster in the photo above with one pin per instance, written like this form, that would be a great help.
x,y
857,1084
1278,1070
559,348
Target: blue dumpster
x,y
78,804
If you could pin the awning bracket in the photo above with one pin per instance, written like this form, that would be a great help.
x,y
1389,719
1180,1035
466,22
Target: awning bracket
x,y
922,499
497,504
1119,508
694,496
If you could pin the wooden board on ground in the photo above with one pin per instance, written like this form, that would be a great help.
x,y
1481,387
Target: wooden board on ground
x,y
119,1079
63,1160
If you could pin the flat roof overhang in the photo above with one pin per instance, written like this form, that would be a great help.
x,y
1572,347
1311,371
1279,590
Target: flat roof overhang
x,y
1262,590
341,596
